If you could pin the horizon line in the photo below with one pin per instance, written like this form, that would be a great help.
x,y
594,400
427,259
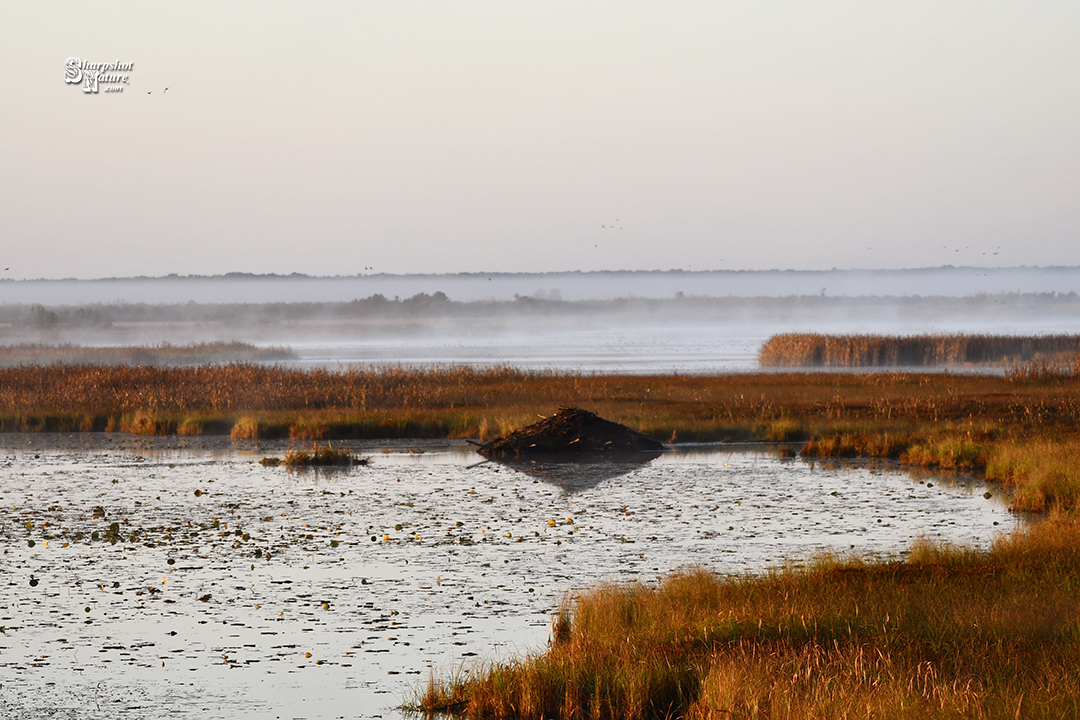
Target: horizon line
x,y
465,274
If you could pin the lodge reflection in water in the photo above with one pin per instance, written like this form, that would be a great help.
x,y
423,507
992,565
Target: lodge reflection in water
x,y
578,475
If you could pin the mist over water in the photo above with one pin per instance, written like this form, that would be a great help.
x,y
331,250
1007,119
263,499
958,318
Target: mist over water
x,y
608,322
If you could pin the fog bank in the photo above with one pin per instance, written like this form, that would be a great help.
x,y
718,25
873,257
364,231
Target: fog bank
x,y
686,334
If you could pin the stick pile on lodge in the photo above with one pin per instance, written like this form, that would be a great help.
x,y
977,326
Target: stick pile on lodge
x,y
570,432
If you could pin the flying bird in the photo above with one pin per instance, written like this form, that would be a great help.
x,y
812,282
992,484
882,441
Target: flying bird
x,y
165,91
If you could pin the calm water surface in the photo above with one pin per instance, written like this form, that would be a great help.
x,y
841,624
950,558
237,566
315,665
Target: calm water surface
x,y
238,591
645,347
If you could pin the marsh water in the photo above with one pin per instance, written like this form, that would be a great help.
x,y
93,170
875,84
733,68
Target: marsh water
x,y
216,587
646,346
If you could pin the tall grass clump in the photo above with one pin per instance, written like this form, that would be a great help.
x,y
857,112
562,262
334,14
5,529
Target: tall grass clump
x,y
952,452
191,426
950,632
1044,475
142,423
246,428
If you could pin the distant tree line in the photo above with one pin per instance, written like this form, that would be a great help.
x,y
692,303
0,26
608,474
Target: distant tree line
x,y
37,317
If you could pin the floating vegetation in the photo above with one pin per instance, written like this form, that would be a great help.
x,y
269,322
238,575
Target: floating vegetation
x,y
317,457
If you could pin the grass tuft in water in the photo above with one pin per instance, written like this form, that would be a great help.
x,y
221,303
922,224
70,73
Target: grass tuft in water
x,y
318,457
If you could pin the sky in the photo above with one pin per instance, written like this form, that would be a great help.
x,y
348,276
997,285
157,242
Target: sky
x,y
337,138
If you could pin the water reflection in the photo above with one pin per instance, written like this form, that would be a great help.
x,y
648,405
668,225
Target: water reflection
x,y
577,476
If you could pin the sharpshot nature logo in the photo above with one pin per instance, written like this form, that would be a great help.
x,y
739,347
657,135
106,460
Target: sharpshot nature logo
x,y
111,77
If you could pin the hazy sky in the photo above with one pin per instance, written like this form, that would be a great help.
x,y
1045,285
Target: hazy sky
x,y
331,137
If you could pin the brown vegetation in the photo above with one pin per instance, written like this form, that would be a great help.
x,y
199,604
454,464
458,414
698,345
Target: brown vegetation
x,y
449,402
947,633
1022,429
814,350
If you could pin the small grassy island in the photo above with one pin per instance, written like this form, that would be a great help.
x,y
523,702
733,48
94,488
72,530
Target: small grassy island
x,y
317,457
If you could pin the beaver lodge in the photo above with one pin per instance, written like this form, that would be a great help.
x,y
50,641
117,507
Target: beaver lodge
x,y
571,432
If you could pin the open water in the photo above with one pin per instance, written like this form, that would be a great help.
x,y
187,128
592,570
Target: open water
x,y
234,590
654,348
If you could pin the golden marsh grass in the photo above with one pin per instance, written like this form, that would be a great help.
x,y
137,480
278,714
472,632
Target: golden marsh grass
x,y
1006,425
945,633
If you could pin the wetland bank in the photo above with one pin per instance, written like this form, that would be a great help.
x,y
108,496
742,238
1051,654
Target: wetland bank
x,y
370,572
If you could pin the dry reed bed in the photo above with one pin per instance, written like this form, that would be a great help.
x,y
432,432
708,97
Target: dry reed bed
x,y
792,406
946,633
814,350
